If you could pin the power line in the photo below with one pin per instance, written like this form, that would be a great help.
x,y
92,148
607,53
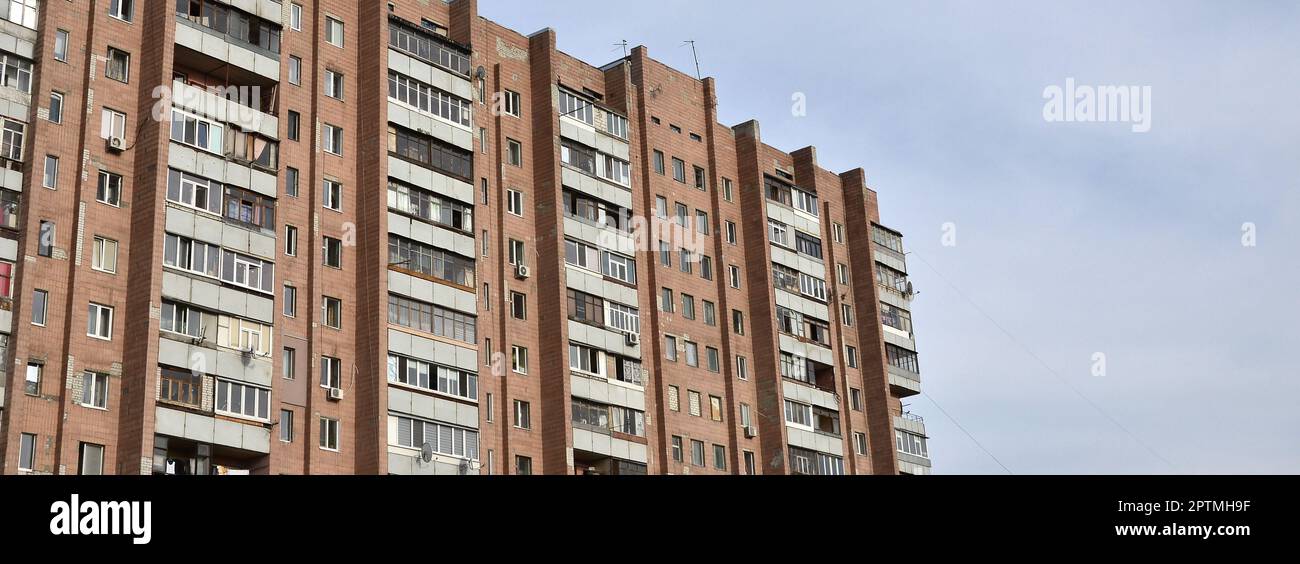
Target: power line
x,y
1046,366
968,435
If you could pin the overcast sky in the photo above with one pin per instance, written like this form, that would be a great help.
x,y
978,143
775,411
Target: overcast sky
x,y
1071,238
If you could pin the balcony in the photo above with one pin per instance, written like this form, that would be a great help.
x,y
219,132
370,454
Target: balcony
x,y
910,441
175,456
208,30
237,105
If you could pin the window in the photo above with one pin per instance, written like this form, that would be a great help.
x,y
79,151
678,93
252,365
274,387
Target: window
x,y
677,449
855,399
333,195
332,312
430,262
333,252
243,400
860,444
808,245
92,460
846,313
56,107
60,41
94,390
32,381
523,465
911,444
665,254
295,17
290,301
333,136
240,270
119,65
121,9
702,222
432,100
798,414
515,202
898,358
433,377
289,360
701,179
21,12
291,182
852,354
182,320
6,288
622,318
842,273
113,126
727,189
670,348
329,434
666,301
706,267
515,252
249,208
746,416
429,47
715,408
661,206
442,438
659,162
109,189
688,306
693,403
742,368
432,319
40,303
11,152
293,125
896,318
673,399
519,359
99,323
576,107
331,373
511,104
16,72
27,452
738,321
514,152
104,255
286,426
719,457
733,276
518,305
523,415
290,240
333,32
197,132
45,246
333,84
710,314
686,263
679,170
838,230
730,231
51,177
697,453
295,70
180,386
711,356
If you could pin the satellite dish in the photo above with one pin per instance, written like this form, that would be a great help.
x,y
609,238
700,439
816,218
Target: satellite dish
x,y
464,468
481,73
426,453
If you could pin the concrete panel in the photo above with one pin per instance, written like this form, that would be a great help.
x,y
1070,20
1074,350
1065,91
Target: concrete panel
x,y
611,392
8,249
431,125
608,239
600,188
594,284
807,350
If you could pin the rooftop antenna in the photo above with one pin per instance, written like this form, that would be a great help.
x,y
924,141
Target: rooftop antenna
x,y
695,54
622,44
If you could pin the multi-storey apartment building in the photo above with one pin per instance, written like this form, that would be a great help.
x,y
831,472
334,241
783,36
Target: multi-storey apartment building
x,y
325,237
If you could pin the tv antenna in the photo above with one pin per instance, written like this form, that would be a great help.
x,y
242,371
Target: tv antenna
x,y
622,44
695,54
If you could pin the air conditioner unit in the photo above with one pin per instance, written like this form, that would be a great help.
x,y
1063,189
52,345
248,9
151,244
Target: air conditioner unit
x,y
751,432
632,339
336,394
116,144
522,272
